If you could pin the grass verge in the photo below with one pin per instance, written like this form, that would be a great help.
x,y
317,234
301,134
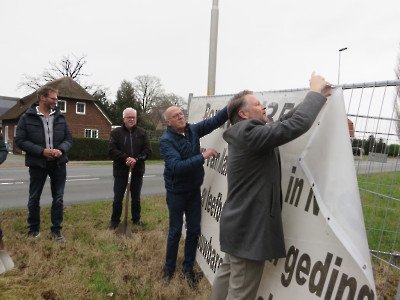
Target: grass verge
x,y
94,263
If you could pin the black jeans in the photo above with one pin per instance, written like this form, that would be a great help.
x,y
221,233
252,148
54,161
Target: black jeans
x,y
38,176
120,183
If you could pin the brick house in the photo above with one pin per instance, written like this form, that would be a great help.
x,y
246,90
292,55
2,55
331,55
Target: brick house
x,y
83,114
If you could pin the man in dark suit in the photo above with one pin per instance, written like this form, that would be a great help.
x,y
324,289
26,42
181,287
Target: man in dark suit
x,y
251,226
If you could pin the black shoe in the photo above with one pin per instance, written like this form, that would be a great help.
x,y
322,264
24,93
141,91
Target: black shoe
x,y
192,277
32,234
58,237
113,226
138,223
167,276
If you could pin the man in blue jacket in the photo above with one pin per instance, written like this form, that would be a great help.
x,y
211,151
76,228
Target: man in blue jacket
x,y
183,176
43,133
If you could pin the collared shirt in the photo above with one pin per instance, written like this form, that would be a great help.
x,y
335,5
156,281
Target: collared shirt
x,y
48,126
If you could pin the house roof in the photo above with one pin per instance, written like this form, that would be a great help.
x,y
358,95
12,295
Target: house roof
x,y
67,89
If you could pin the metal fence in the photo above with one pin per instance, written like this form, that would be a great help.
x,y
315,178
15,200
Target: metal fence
x,y
374,129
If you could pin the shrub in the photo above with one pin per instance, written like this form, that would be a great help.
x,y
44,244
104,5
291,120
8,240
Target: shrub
x,y
88,149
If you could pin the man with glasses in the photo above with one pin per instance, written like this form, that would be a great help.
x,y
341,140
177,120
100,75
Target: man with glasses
x,y
44,134
129,147
183,176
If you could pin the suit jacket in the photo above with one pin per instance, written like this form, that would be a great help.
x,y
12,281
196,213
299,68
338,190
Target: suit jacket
x,y
251,223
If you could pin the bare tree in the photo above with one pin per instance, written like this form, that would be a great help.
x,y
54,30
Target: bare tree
x,y
147,90
66,67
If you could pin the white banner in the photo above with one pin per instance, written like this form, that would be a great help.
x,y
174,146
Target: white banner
x,y
326,244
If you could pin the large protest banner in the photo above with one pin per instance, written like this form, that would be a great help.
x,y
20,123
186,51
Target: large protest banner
x,y
327,250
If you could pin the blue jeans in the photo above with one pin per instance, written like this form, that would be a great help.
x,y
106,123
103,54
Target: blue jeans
x,y
38,176
120,183
178,204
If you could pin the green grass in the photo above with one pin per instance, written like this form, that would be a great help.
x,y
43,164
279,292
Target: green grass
x,y
381,214
94,263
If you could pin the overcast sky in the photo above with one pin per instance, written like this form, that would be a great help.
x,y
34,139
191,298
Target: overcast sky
x,y
262,45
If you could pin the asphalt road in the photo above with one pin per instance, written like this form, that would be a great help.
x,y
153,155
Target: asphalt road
x,y
84,183
87,182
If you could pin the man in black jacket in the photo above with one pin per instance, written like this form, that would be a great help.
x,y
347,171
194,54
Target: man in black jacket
x,y
3,156
129,146
44,134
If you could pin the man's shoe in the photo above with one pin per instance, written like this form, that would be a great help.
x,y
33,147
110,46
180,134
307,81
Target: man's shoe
x,y
58,237
113,226
167,276
32,234
138,223
192,277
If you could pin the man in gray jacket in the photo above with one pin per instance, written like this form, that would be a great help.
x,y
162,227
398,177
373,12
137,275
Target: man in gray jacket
x,y
251,228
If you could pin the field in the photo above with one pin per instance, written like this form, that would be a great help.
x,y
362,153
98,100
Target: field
x,y
382,222
94,263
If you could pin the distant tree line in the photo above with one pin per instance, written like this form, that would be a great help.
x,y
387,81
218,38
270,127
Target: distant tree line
x,y
376,146
145,93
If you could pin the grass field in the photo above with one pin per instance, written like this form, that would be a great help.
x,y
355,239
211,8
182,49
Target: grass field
x,y
94,263
378,193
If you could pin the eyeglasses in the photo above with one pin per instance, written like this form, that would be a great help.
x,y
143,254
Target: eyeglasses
x,y
54,99
176,116
130,118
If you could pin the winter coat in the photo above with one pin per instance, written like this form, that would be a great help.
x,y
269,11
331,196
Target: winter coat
x,y
30,137
183,159
124,144
251,223
3,150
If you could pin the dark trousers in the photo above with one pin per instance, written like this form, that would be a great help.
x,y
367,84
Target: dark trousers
x,y
178,204
38,176
120,183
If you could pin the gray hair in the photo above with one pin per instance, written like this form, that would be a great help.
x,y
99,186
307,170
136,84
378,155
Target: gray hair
x,y
128,109
238,102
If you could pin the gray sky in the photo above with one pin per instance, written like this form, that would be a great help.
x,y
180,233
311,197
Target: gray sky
x,y
263,45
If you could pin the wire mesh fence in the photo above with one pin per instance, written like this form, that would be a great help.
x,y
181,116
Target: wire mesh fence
x,y
374,128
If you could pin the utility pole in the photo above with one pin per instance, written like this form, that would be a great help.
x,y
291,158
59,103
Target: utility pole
x,y
212,61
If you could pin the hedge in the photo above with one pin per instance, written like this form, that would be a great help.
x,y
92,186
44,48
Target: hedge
x,y
97,149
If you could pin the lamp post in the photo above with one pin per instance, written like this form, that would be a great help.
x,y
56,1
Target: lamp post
x,y
212,63
338,76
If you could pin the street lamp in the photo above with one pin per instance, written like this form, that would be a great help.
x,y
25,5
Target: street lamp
x,y
340,51
212,63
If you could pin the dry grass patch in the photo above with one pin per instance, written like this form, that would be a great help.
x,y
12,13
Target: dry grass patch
x,y
94,263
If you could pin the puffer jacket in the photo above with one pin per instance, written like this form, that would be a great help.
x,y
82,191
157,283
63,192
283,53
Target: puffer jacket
x,y
31,139
183,160
3,150
124,144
